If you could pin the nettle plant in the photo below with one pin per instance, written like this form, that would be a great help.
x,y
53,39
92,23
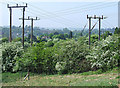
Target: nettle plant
x,y
106,54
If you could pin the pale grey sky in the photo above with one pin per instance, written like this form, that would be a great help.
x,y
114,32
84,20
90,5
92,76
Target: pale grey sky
x,y
61,14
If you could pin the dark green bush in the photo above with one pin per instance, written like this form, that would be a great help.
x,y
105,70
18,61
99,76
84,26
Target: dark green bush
x,y
40,59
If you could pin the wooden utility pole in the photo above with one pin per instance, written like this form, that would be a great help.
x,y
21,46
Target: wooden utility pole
x,y
31,26
89,28
31,31
10,33
10,38
99,23
99,27
23,27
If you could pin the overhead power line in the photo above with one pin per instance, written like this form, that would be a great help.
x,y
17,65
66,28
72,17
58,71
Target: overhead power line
x,y
64,21
71,12
50,16
86,7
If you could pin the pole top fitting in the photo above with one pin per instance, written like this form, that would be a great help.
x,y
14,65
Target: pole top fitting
x,y
8,5
102,16
87,16
94,16
28,17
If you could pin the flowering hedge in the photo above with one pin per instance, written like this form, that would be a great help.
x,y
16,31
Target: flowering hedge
x,y
10,54
106,54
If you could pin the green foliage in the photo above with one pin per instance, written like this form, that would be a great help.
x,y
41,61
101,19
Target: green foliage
x,y
9,77
10,52
106,54
55,40
49,43
33,38
71,34
4,39
66,56
94,38
60,67
66,35
59,36
106,34
26,39
39,58
51,35
17,39
92,72
56,33
62,55
73,54
117,31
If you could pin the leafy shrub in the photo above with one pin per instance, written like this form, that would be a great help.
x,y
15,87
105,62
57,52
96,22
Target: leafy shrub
x,y
10,51
60,67
49,44
117,31
2,40
106,34
39,58
17,39
73,53
106,54
94,38
59,36
65,57
55,40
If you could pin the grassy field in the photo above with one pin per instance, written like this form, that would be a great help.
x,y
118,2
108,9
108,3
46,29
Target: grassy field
x,y
109,78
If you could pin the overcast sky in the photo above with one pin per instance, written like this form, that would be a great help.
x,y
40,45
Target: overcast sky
x,y
58,13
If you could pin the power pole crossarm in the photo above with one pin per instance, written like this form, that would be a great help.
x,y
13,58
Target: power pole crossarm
x,y
89,28
16,6
10,33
